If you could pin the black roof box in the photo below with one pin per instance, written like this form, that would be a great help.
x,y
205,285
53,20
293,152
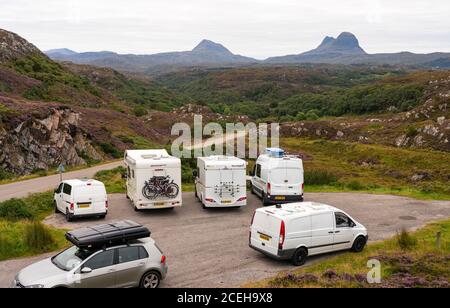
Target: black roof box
x,y
107,234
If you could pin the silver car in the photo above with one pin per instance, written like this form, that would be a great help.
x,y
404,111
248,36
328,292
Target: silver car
x,y
139,264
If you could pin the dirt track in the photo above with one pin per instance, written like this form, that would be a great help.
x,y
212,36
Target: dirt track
x,y
209,248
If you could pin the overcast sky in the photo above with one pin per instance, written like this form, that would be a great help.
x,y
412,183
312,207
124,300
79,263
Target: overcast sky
x,y
256,28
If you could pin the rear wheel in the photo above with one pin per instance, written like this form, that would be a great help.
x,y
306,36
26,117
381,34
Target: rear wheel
x,y
265,200
359,244
299,257
102,216
69,216
150,280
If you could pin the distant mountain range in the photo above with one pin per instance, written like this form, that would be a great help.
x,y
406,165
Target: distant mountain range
x,y
344,49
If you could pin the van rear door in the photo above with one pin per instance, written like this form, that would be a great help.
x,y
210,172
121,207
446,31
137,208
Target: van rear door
x,y
286,181
90,199
265,232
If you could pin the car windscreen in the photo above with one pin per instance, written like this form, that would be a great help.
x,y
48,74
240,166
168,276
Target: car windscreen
x,y
71,258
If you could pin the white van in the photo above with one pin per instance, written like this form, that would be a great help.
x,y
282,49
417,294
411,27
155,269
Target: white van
x,y
298,230
153,179
278,178
81,198
221,181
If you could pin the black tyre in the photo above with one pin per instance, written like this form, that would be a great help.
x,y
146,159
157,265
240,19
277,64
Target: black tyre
x,y
102,216
359,244
265,200
69,216
252,190
299,257
150,280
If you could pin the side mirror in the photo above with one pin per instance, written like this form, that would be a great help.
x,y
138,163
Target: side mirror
x,y
86,270
194,174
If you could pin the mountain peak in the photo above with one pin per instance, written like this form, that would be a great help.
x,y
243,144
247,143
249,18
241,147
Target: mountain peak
x,y
12,46
210,46
61,51
345,43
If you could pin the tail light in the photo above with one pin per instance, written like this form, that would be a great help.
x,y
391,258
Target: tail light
x,y
250,232
303,186
268,188
72,206
106,204
163,259
242,199
282,235
209,200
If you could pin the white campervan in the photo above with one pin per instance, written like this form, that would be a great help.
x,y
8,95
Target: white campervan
x,y
278,178
153,179
81,198
298,230
221,181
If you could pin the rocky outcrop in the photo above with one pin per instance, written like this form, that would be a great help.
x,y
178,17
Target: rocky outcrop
x,y
43,141
13,46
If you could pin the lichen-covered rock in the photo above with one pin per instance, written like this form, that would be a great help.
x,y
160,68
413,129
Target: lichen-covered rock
x,y
45,141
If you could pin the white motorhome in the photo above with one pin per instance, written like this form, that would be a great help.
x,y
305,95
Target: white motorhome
x,y
298,230
81,198
153,179
278,178
221,181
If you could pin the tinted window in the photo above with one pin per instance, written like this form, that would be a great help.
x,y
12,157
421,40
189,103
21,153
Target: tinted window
x,y
342,221
67,189
59,189
103,259
258,171
128,254
143,254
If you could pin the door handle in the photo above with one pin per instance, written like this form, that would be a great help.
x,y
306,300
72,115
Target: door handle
x,y
331,232
337,232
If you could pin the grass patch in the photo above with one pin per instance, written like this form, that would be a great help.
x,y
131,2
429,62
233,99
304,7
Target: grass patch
x,y
372,168
34,207
113,179
424,266
24,238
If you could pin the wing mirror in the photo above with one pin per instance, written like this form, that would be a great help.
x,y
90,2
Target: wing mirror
x,y
194,174
86,270
124,176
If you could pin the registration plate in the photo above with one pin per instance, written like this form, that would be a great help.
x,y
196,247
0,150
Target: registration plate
x,y
264,237
160,204
84,205
226,201
280,198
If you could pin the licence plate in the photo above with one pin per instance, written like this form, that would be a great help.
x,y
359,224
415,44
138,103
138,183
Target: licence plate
x,y
84,205
160,204
226,201
264,237
280,198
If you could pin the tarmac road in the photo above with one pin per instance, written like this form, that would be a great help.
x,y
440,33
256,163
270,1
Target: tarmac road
x,y
46,183
209,248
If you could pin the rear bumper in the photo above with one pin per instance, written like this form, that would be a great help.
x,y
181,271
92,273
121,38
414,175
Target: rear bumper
x,y
152,206
282,254
74,215
287,199
221,205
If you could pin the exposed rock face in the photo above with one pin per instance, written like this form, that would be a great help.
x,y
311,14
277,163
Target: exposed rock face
x,y
44,141
13,46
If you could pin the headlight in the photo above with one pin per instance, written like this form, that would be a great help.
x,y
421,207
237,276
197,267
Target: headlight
x,y
35,286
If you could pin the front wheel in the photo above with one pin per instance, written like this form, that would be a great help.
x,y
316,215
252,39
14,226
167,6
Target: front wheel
x,y
299,257
359,244
150,280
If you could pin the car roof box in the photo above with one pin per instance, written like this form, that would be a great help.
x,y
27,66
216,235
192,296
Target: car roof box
x,y
120,232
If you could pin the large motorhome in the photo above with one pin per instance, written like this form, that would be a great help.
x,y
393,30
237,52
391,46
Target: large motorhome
x,y
278,178
153,179
221,181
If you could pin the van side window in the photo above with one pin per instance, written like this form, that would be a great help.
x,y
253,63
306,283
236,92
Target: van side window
x,y
343,221
258,171
129,172
67,189
59,189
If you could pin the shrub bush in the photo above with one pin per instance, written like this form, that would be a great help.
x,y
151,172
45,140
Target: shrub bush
x,y
15,209
320,177
110,149
405,240
355,185
139,111
38,237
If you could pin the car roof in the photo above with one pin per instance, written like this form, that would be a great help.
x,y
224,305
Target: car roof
x,y
295,210
83,182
